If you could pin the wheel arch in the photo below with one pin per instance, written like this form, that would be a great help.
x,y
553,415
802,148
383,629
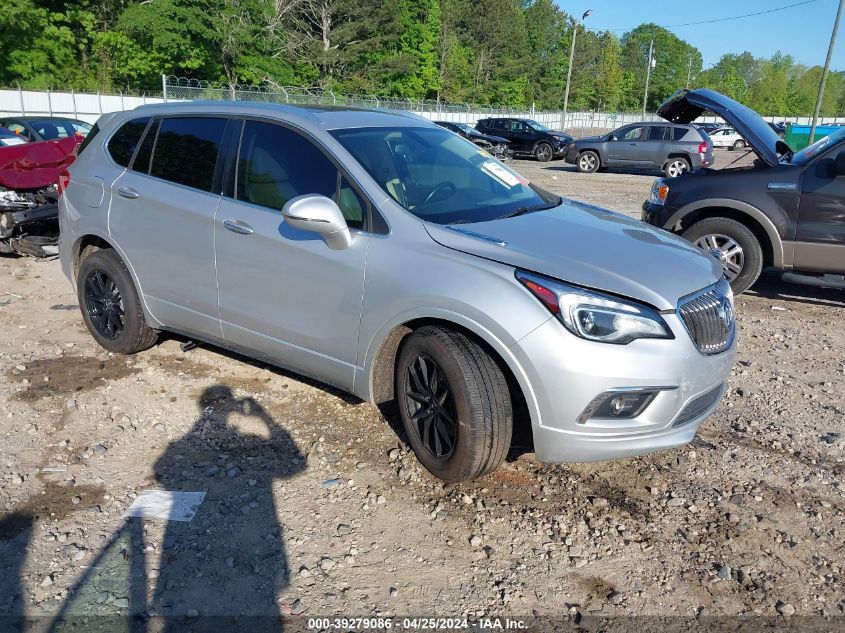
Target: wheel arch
x,y
595,151
380,365
672,155
751,217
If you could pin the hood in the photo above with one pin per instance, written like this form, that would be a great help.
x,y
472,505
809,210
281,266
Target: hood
x,y
488,137
687,105
36,165
590,247
591,139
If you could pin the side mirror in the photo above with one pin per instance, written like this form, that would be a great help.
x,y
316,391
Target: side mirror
x,y
837,168
318,214
611,137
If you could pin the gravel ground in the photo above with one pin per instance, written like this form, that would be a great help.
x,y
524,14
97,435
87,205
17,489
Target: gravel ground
x,y
315,506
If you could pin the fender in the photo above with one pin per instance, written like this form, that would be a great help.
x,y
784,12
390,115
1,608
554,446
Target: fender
x,y
363,380
782,257
153,322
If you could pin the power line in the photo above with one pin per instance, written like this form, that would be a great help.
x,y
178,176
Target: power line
x,y
735,17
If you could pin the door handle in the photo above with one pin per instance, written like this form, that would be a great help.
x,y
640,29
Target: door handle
x,y
631,143
128,192
236,226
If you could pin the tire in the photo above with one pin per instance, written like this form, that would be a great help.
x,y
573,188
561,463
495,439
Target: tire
x,y
740,144
588,162
716,234
110,304
675,167
478,416
543,152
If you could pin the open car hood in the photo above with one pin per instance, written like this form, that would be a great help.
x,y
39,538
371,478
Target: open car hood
x,y
36,165
685,106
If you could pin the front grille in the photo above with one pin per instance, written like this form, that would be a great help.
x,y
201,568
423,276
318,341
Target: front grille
x,y
698,406
709,318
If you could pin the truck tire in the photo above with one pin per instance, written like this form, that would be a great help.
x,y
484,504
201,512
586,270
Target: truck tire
x,y
454,403
734,245
111,307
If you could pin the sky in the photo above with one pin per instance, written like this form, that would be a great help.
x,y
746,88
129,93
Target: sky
x,y
801,31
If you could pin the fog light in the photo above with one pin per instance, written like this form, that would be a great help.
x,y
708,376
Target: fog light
x,y
620,404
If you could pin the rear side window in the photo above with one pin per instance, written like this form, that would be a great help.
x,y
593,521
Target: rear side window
x,y
122,145
145,151
186,150
276,164
681,133
90,137
658,133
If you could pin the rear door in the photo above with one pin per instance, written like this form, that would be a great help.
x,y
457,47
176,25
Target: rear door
x,y
654,148
162,217
284,293
624,149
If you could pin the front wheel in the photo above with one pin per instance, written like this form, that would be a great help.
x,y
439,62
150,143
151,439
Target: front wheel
x,y
734,245
676,167
588,162
740,144
454,402
543,152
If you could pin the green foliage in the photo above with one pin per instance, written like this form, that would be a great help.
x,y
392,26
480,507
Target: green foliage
x,y
507,52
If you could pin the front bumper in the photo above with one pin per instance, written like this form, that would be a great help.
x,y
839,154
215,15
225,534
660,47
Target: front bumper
x,y
657,214
566,373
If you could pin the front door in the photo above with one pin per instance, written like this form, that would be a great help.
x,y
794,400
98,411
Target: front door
x,y
284,294
624,149
820,238
162,217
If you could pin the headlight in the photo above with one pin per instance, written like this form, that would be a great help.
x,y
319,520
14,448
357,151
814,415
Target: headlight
x,y
596,316
659,192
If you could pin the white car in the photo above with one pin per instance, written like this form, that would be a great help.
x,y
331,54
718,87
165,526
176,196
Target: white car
x,y
728,137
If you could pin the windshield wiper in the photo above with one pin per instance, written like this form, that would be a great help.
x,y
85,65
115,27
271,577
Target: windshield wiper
x,y
531,209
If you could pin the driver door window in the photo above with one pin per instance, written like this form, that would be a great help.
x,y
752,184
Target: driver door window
x,y
632,134
276,164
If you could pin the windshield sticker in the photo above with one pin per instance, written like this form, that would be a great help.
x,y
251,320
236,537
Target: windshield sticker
x,y
502,174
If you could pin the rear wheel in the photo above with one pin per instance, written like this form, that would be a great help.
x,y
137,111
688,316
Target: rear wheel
x,y
588,162
454,403
740,144
110,304
676,167
734,245
543,152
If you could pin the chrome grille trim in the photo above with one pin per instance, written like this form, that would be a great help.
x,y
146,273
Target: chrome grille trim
x,y
709,318
697,406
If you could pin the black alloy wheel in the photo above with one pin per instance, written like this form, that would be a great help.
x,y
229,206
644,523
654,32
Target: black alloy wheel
x,y
430,405
104,304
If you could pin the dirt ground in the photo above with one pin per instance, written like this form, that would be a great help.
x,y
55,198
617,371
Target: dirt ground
x,y
315,507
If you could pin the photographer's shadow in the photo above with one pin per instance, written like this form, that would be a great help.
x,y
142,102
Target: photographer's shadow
x,y
225,567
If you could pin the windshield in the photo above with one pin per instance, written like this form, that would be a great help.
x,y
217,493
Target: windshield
x,y
439,176
538,127
808,153
464,127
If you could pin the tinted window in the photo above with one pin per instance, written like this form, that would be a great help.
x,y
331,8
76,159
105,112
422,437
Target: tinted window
x,y
276,164
678,133
658,133
186,150
145,152
122,145
50,129
94,131
19,129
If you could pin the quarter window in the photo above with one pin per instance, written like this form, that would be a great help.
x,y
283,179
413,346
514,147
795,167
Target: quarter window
x,y
122,145
186,150
276,164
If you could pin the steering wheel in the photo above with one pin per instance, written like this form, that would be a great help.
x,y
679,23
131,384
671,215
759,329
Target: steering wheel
x,y
443,186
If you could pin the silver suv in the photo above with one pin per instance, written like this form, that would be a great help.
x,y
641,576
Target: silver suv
x,y
391,258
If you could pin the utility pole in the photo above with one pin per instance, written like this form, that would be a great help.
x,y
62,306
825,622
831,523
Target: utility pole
x,y
648,73
826,69
689,71
569,70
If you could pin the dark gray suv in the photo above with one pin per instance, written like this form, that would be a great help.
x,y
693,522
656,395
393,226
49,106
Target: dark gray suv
x,y
674,149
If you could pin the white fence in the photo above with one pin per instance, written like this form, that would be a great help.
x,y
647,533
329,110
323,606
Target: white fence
x,y
88,107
